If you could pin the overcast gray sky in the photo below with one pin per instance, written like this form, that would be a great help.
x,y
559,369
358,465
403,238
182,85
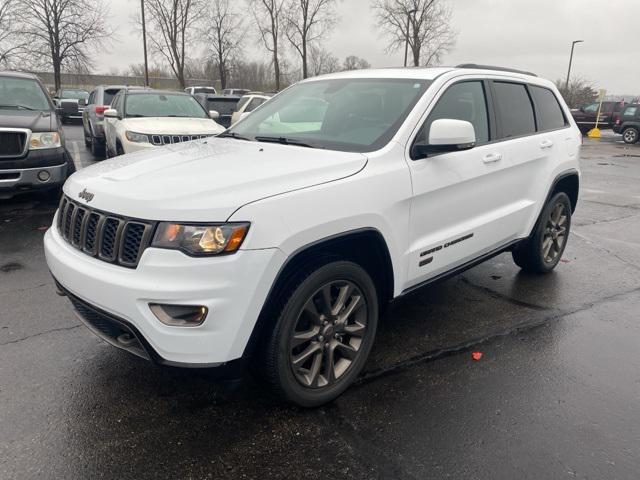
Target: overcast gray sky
x,y
531,35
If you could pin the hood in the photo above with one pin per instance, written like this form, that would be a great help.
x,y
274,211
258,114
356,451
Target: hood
x,y
34,121
172,126
206,180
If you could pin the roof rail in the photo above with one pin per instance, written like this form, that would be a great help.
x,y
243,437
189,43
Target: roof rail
x,y
489,67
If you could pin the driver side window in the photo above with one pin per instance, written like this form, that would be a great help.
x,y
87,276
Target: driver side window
x,y
462,101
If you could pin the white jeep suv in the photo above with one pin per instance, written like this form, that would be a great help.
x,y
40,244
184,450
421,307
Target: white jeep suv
x,y
280,240
140,119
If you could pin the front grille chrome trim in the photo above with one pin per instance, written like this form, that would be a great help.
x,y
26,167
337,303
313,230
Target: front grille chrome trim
x,y
85,229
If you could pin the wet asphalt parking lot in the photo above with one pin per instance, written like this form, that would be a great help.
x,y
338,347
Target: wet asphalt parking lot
x,y
555,395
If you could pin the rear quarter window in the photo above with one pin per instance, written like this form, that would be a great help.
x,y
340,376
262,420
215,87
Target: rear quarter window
x,y
514,109
630,112
550,113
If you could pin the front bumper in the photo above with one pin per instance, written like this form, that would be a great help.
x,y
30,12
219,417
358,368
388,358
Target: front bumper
x,y
232,287
26,179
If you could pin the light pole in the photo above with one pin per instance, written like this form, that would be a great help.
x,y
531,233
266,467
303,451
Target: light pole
x,y
406,42
573,45
144,41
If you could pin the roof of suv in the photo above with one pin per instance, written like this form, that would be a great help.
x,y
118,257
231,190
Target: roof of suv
x,y
139,91
8,73
129,87
426,73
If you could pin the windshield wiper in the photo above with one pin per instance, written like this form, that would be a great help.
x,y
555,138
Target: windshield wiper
x,y
19,107
285,141
234,135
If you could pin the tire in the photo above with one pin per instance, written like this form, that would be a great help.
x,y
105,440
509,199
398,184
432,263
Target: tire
x,y
312,333
87,137
119,149
542,251
630,135
96,150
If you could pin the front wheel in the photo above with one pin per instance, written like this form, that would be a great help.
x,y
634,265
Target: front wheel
x,y
630,135
323,335
541,252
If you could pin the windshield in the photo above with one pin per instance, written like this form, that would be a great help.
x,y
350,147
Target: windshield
x,y
224,106
163,105
74,94
22,94
356,115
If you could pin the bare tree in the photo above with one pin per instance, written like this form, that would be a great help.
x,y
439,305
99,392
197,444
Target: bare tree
x,y
224,32
355,63
424,24
269,17
307,22
172,28
322,62
579,93
10,43
61,33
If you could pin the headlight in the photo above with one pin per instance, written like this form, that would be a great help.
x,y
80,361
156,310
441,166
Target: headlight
x,y
40,141
137,137
201,239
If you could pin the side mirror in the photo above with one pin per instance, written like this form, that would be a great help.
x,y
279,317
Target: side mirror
x,y
445,136
111,113
82,102
214,114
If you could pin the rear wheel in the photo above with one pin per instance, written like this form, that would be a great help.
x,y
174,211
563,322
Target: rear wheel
x,y
97,150
630,135
541,252
323,335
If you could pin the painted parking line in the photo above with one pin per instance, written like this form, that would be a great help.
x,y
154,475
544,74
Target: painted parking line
x,y
75,154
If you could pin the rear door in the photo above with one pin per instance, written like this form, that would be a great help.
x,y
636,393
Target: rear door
x,y
535,136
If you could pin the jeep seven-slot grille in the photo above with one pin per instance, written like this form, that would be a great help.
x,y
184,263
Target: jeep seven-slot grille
x,y
169,139
104,236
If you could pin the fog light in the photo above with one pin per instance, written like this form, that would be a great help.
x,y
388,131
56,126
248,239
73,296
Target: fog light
x,y
179,315
44,176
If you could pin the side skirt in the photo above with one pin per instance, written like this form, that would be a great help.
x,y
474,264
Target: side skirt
x,y
461,268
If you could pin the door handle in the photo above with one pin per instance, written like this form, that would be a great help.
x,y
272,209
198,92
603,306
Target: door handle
x,y
492,158
546,144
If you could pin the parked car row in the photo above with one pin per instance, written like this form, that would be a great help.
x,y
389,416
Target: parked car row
x,y
116,119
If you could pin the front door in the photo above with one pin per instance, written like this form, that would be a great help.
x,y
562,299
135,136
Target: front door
x,y
463,205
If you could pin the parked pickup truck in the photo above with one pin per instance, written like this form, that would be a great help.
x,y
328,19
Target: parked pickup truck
x,y
71,102
586,116
32,152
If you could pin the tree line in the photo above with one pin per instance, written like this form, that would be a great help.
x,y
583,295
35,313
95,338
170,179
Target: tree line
x,y
210,38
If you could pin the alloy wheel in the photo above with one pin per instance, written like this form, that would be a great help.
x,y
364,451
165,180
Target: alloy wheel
x,y
328,334
555,234
630,135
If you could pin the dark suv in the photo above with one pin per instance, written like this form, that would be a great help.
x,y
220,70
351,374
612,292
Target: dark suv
x,y
629,124
32,152
586,116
